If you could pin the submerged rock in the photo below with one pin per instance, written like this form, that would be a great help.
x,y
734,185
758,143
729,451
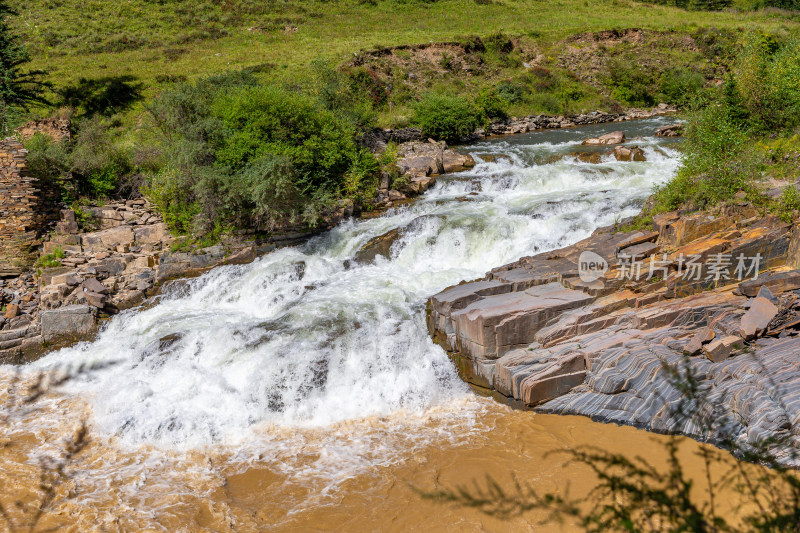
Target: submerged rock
x,y
380,245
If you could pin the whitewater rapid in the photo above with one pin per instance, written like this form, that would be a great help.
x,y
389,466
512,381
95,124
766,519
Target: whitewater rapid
x,y
307,338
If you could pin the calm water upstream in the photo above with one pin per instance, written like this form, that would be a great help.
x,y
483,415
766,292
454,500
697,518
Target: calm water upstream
x,y
303,392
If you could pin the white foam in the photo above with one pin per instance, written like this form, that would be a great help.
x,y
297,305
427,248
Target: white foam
x,y
298,339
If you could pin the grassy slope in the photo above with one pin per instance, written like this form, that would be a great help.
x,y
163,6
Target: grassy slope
x,y
75,39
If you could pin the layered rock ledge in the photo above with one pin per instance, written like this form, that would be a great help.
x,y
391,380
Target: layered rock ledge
x,y
534,334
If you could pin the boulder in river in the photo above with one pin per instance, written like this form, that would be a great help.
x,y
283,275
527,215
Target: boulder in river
x,y
671,130
629,153
380,245
589,157
615,137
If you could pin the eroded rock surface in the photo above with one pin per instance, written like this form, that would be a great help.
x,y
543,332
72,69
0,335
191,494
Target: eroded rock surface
x,y
538,335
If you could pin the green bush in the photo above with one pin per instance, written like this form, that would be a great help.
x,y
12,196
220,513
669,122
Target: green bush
x,y
510,92
491,104
679,87
97,160
788,203
94,158
719,161
447,117
352,95
244,154
271,120
768,82
47,160
173,195
630,84
53,259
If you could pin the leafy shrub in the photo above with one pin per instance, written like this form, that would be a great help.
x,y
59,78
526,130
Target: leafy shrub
x,y
630,84
788,203
97,159
783,4
446,117
510,92
53,259
47,160
270,120
678,87
243,154
491,104
360,182
93,157
350,95
768,82
172,194
718,163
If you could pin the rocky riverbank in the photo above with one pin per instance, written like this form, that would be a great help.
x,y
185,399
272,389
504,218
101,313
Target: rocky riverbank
x,y
378,138
122,253
546,333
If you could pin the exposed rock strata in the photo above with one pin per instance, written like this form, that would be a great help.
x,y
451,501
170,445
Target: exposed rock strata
x,y
533,332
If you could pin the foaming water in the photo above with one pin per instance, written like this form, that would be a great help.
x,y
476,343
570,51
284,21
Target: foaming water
x,y
321,366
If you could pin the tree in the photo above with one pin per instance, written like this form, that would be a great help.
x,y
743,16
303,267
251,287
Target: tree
x,y
18,89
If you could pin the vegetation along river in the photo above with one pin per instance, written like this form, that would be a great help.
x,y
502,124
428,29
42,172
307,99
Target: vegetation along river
x,y
302,392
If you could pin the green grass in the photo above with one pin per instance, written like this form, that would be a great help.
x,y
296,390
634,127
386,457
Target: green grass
x,y
168,39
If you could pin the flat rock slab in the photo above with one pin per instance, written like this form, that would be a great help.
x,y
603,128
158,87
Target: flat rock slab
x,y
758,317
776,283
496,324
70,322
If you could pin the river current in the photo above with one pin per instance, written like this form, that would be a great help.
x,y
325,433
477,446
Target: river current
x,y
286,393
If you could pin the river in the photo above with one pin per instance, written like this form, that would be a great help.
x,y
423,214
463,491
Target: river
x,y
302,392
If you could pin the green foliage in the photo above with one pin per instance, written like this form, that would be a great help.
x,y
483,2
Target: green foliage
x,y
510,92
768,82
97,160
245,154
719,161
172,194
788,203
361,180
492,104
679,86
722,155
269,119
50,260
47,160
446,116
783,4
18,89
93,158
630,84
351,94
85,219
